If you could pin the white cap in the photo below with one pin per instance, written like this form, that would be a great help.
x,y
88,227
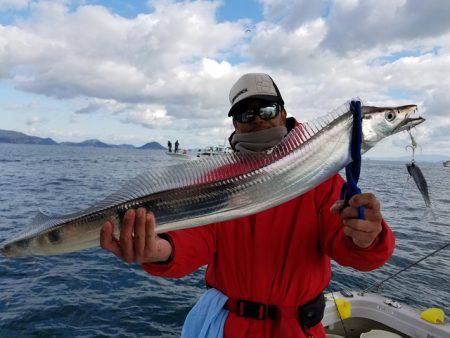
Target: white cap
x,y
256,85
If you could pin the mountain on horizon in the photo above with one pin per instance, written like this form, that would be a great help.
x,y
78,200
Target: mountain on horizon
x,y
152,145
9,136
15,137
419,158
87,143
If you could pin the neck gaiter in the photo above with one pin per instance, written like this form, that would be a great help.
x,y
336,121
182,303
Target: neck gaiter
x,y
258,141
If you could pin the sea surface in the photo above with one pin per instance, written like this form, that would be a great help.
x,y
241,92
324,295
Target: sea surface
x,y
92,293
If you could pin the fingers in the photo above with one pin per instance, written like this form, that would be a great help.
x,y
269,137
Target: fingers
x,y
337,206
126,240
150,235
362,225
367,200
362,232
138,240
369,214
107,239
360,238
139,234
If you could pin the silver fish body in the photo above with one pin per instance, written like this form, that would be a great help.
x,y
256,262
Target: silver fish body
x,y
218,188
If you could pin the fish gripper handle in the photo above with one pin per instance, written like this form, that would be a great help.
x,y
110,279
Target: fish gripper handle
x,y
353,169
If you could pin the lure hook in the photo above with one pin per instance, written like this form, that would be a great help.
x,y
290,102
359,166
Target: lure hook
x,y
414,145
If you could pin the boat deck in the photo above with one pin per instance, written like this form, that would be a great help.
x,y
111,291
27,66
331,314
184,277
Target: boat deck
x,y
374,312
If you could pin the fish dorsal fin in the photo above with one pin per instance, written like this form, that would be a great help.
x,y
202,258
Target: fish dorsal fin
x,y
304,132
43,220
214,168
40,217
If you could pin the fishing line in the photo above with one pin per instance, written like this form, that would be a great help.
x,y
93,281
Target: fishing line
x,y
406,184
413,145
380,284
339,315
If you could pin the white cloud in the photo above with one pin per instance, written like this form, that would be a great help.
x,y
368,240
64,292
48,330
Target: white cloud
x,y
372,23
152,118
291,14
215,69
274,47
89,109
92,52
13,4
172,69
34,120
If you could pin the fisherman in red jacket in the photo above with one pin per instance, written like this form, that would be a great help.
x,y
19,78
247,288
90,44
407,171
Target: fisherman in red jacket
x,y
273,265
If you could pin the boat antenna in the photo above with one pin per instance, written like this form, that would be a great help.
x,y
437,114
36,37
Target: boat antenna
x,y
380,284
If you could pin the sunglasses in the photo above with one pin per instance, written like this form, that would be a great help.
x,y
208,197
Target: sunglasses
x,y
266,113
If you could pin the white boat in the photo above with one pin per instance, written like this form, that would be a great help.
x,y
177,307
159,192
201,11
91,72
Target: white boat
x,y
446,164
213,150
182,155
371,315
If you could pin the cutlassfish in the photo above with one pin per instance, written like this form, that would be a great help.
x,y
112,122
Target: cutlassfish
x,y
221,187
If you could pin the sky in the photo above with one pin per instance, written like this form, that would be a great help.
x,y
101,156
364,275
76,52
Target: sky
x,y
140,71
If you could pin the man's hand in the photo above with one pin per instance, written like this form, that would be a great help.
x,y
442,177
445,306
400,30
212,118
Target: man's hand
x,y
362,231
138,240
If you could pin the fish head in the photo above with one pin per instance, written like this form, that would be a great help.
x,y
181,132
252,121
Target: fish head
x,y
381,122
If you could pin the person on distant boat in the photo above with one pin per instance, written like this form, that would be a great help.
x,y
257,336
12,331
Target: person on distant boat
x,y
266,272
176,146
169,145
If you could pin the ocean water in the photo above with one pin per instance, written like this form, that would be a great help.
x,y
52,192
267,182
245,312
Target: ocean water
x,y
91,293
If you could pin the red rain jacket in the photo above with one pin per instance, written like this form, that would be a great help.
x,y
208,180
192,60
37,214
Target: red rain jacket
x,y
278,256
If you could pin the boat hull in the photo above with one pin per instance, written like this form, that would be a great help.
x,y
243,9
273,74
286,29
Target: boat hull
x,y
374,312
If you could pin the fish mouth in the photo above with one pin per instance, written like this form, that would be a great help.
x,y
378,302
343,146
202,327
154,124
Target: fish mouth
x,y
408,123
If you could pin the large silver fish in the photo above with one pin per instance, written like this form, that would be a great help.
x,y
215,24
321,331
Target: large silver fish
x,y
221,187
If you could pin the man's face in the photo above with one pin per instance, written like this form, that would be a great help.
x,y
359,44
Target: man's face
x,y
258,123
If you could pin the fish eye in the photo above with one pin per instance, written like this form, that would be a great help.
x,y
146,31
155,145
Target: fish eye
x,y
390,116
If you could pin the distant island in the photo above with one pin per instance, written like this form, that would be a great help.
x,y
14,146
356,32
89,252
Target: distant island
x,y
9,136
406,159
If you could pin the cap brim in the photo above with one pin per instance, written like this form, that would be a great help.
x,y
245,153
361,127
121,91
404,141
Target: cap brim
x,y
268,98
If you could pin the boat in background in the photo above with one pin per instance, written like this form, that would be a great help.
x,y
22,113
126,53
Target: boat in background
x,y
446,164
185,155
214,150
180,155
357,314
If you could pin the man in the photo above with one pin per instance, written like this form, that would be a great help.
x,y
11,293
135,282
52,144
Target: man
x,y
176,146
169,145
272,265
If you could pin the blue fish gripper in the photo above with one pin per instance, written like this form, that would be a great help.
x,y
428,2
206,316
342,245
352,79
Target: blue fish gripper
x,y
353,169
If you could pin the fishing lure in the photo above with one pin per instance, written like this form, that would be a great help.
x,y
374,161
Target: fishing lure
x,y
415,172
